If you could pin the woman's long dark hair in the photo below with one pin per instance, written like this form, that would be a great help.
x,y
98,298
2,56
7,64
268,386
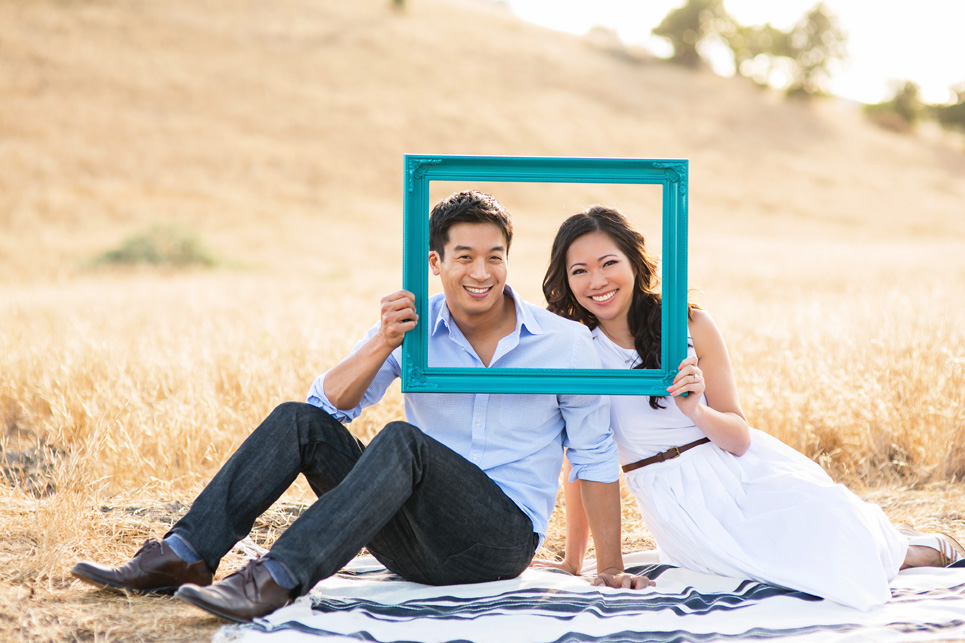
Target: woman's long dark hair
x,y
644,318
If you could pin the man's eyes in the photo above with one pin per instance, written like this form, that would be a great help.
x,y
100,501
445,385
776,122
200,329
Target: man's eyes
x,y
470,259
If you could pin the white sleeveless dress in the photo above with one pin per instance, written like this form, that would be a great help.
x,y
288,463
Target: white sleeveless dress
x,y
770,515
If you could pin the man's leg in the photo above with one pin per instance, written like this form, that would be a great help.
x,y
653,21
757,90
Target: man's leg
x,y
425,511
294,437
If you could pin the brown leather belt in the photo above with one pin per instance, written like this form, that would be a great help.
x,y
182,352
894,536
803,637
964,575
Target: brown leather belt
x,y
669,454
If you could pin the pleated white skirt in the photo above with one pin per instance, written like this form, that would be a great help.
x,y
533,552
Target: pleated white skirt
x,y
770,515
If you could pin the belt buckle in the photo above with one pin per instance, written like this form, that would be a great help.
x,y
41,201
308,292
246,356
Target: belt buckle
x,y
673,452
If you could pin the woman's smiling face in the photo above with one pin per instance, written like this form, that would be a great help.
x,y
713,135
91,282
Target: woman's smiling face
x,y
600,276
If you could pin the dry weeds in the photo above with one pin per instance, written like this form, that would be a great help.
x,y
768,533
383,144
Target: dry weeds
x,y
139,387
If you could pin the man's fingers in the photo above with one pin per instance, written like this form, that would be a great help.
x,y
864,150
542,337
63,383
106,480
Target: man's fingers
x,y
402,306
399,295
397,324
398,318
398,301
401,315
408,323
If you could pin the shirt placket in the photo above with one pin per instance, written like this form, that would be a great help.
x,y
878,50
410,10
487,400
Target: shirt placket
x,y
479,405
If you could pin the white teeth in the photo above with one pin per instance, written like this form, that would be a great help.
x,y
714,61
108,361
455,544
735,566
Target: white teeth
x,y
601,298
477,291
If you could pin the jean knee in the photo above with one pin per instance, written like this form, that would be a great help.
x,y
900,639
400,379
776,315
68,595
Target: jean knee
x,y
287,409
399,434
300,421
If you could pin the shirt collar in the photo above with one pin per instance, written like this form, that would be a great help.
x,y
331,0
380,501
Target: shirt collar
x,y
524,316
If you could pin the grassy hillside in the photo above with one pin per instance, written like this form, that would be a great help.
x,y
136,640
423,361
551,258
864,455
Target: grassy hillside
x,y
830,252
262,125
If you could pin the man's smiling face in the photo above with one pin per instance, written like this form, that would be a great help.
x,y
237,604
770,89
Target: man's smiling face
x,y
472,268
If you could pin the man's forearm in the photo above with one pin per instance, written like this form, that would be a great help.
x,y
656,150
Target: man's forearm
x,y
345,385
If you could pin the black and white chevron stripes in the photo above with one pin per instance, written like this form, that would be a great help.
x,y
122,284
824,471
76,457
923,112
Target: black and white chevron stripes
x,y
367,603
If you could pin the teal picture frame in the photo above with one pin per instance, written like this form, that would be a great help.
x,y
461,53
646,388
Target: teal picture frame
x,y
671,174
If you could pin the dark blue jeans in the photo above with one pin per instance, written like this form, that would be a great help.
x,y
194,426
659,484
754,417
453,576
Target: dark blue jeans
x,y
420,508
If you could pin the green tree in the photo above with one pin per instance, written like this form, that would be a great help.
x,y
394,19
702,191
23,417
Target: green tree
x,y
952,116
687,26
754,49
815,44
902,111
907,102
805,55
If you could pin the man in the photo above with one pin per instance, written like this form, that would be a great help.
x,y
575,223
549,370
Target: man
x,y
461,493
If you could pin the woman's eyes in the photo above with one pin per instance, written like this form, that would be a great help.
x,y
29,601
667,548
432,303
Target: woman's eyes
x,y
606,264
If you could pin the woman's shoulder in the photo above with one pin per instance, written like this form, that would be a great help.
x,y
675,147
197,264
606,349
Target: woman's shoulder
x,y
699,318
703,329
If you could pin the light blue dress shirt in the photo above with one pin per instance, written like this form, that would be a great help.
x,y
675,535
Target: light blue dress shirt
x,y
517,440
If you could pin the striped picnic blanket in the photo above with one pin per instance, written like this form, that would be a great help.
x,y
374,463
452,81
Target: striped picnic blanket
x,y
365,602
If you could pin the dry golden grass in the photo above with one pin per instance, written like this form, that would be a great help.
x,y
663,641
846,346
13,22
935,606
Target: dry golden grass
x,y
830,253
144,386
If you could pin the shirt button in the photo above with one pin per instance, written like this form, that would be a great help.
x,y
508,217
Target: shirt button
x,y
478,424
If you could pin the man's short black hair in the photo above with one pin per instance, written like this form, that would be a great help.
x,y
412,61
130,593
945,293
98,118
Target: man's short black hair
x,y
469,206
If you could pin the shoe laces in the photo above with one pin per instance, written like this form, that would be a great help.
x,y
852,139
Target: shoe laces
x,y
247,574
150,543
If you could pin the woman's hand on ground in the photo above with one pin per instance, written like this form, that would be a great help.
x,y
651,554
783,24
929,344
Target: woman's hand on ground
x,y
566,566
621,580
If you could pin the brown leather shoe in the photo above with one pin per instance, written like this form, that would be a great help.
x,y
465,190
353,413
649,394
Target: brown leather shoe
x,y
246,594
154,568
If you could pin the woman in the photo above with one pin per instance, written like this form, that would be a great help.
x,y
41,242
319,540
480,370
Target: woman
x,y
736,501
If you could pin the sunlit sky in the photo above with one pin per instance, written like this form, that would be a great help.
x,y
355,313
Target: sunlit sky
x,y
923,41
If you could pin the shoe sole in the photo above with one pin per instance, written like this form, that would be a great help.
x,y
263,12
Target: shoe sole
x,y
102,583
187,598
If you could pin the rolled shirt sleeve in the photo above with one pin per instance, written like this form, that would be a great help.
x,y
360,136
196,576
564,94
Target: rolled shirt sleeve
x,y
386,374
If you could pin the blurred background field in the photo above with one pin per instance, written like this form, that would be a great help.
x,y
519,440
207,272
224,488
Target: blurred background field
x,y
200,206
